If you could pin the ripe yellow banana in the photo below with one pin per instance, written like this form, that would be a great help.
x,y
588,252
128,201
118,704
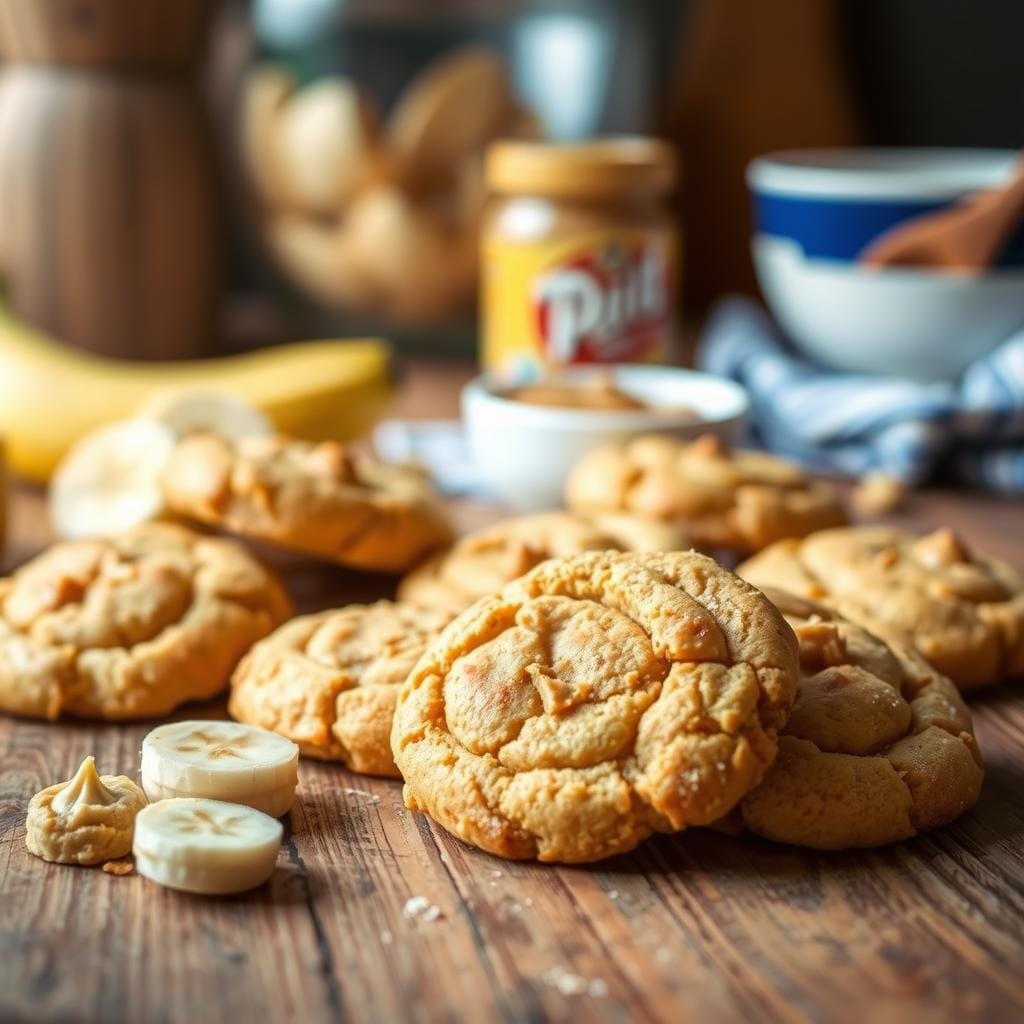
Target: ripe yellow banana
x,y
51,395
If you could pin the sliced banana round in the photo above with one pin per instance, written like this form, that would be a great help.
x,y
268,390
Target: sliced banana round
x,y
110,480
221,761
206,846
189,411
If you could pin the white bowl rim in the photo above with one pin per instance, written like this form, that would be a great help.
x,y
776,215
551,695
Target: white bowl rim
x,y
733,400
778,247
880,172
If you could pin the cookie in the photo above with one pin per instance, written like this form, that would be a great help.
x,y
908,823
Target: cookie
x,y
483,562
598,699
878,746
321,499
964,613
447,114
739,501
132,626
329,681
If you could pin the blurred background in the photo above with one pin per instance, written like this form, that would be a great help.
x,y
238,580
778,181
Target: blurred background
x,y
723,80
820,203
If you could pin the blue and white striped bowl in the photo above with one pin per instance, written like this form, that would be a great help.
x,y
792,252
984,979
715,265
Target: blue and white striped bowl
x,y
816,211
835,202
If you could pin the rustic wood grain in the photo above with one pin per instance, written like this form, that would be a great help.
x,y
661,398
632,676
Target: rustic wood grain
x,y
700,927
109,33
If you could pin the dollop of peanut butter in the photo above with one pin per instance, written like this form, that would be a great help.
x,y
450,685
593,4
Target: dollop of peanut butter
x,y
89,819
86,787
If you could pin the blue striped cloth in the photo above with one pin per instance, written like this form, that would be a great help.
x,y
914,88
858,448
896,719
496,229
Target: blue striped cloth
x,y
854,423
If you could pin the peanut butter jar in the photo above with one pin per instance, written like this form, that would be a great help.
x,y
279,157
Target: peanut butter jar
x,y
579,254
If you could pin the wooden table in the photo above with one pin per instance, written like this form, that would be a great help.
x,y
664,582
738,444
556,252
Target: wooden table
x,y
698,926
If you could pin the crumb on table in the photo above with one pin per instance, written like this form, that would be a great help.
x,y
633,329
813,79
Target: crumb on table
x,y
126,866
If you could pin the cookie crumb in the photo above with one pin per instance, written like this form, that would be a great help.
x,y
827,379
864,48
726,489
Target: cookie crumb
x,y
419,908
878,494
613,894
570,984
371,798
386,938
496,873
119,867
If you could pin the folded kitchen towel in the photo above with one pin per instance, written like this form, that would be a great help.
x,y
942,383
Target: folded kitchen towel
x,y
853,423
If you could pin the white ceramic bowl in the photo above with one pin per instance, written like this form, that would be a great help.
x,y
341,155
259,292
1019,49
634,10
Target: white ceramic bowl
x,y
524,452
900,322
816,213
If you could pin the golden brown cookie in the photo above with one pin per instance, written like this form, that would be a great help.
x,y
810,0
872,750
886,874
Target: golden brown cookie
x,y
132,626
963,613
600,698
483,562
87,820
878,746
322,499
448,113
329,681
736,500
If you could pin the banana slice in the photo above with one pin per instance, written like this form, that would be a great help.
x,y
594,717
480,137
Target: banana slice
x,y
189,411
205,846
221,761
110,480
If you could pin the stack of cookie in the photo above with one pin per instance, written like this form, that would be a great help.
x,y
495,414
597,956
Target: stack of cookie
x,y
556,686
594,687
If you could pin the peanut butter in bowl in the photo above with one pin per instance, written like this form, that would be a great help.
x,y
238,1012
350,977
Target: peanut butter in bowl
x,y
525,436
597,391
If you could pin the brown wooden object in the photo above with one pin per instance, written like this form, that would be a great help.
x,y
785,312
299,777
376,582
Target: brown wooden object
x,y
109,218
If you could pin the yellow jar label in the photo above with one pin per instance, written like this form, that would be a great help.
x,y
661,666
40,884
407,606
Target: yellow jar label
x,y
606,297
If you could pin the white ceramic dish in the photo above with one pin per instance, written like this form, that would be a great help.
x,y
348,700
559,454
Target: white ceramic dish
x,y
883,173
901,322
524,452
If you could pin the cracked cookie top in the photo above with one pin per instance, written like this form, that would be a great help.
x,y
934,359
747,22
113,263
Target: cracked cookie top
x,y
598,699
963,612
740,501
483,562
329,681
322,499
878,746
131,626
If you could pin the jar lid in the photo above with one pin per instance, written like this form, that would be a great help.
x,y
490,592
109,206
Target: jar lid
x,y
603,168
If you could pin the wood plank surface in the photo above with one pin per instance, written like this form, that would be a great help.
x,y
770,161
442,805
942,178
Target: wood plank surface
x,y
697,927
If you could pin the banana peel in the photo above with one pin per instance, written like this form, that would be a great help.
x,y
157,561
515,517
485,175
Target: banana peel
x,y
51,394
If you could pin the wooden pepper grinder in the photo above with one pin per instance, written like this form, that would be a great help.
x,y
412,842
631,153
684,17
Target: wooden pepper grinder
x,y
109,226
